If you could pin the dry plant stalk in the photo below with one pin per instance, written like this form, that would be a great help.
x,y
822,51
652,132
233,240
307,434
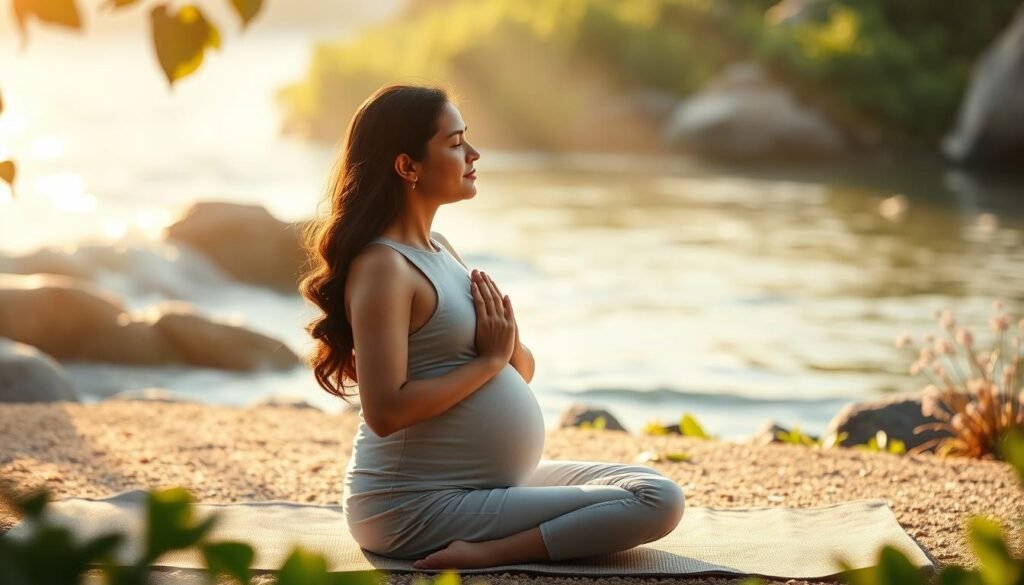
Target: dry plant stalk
x,y
978,398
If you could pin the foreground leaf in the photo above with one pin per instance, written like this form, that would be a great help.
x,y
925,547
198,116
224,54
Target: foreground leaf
x,y
229,558
1011,450
181,40
303,567
988,543
115,4
7,172
59,12
247,9
170,522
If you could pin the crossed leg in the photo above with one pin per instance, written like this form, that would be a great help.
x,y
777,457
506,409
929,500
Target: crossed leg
x,y
565,509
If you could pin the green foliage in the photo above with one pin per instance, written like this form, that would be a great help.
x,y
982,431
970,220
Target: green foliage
x,y
598,425
689,427
902,65
996,566
51,555
897,68
796,437
881,443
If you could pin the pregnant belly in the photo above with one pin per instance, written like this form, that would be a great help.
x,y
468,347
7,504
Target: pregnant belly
x,y
493,438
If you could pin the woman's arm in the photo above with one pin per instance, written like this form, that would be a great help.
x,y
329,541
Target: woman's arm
x,y
380,299
522,358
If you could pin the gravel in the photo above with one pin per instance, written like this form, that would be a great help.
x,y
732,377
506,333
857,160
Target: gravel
x,y
228,454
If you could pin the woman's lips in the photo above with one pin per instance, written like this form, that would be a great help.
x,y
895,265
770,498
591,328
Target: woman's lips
x,y
471,175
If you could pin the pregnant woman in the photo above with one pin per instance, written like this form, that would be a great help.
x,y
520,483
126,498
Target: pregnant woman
x,y
446,465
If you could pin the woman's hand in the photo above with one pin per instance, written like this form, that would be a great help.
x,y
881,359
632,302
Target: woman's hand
x,y
495,322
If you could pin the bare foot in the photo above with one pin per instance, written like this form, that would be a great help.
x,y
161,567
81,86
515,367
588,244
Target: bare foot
x,y
460,554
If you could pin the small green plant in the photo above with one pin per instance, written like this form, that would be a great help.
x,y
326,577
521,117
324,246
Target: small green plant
x,y
881,443
655,427
996,565
688,427
598,425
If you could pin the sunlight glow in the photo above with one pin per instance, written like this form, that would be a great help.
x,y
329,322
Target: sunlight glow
x,y
66,191
114,229
47,147
152,222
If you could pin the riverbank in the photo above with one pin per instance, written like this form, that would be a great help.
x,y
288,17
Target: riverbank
x,y
226,453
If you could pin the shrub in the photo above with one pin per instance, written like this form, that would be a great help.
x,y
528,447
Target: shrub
x,y
976,395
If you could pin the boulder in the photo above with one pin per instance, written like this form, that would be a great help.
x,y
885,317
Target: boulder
x,y
743,114
579,413
29,375
210,344
897,415
245,241
73,320
990,124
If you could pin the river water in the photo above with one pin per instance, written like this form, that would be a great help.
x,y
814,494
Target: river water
x,y
651,286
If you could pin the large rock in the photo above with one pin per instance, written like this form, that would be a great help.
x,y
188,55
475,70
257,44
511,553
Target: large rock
x,y
897,415
743,114
579,413
990,124
73,320
245,241
29,375
216,345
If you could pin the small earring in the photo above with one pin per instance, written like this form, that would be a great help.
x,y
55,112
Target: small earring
x,y
414,183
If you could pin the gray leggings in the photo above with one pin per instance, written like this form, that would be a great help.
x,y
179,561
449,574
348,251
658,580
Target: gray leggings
x,y
583,508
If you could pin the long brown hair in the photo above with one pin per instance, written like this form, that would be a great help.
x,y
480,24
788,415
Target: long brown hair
x,y
366,195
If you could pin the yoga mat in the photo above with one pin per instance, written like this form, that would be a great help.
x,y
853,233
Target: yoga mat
x,y
787,543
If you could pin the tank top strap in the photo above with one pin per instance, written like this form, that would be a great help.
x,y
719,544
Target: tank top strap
x,y
431,264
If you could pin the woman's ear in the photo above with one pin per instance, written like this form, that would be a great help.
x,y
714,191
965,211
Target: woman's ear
x,y
405,168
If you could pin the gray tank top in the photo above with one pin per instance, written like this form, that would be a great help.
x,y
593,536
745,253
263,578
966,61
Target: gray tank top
x,y
492,438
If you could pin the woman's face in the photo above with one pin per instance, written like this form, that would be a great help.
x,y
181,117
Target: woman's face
x,y
448,171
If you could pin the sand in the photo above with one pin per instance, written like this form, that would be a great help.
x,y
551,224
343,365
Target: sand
x,y
226,454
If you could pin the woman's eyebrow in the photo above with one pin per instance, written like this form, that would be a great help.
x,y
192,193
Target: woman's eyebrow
x,y
457,132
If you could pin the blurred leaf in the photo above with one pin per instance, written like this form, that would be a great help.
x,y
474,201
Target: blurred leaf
x,y
448,578
229,558
897,447
59,12
689,426
303,568
988,543
953,575
356,578
101,547
1011,450
600,423
677,456
247,9
7,172
126,575
170,523
894,568
115,4
181,40
655,428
